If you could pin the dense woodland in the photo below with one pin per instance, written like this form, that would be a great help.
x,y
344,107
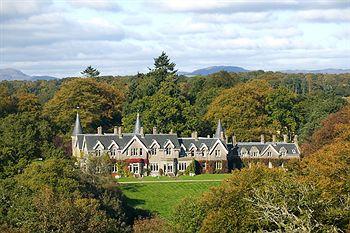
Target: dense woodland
x,y
41,190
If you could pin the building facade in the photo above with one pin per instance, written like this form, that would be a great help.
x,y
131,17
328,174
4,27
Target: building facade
x,y
158,153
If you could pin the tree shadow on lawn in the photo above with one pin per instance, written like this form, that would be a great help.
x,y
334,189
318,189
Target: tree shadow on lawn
x,y
138,212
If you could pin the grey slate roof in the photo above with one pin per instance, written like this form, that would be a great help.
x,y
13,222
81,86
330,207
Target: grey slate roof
x,y
209,142
262,146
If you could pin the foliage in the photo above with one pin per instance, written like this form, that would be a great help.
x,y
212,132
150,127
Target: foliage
x,y
194,168
90,72
52,196
24,137
99,104
245,117
151,225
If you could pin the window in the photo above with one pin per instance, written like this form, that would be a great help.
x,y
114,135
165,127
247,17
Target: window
x,y
217,153
269,153
114,152
154,167
293,151
98,169
114,168
192,153
169,167
204,165
167,151
203,152
99,152
140,151
218,165
283,151
134,168
244,152
133,151
153,151
182,166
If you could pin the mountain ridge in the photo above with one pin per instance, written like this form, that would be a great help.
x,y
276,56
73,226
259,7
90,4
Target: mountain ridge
x,y
11,74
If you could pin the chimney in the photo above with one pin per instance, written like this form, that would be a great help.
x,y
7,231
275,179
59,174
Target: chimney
x,y
285,138
274,138
115,130
226,139
222,136
99,130
141,132
234,140
262,138
154,130
171,131
295,140
208,136
120,132
195,135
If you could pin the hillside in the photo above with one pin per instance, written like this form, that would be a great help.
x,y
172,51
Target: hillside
x,y
215,69
13,74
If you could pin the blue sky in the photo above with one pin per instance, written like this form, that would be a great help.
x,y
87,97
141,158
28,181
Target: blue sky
x,y
62,37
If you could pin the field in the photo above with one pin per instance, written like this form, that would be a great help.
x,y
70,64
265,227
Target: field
x,y
160,195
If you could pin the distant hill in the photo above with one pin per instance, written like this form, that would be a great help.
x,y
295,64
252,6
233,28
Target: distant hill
x,y
323,71
214,69
13,74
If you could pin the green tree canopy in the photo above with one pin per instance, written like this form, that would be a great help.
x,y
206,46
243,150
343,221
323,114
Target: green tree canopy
x,y
90,72
242,110
99,104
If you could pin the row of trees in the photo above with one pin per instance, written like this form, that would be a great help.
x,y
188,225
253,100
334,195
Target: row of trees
x,y
312,197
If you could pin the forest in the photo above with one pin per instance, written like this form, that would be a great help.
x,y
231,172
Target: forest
x,y
42,190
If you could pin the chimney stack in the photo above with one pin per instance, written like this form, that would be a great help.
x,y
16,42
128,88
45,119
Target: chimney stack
x,y
234,140
99,130
154,130
115,130
171,131
226,139
141,132
120,132
274,138
285,138
208,136
262,138
195,135
295,140
222,136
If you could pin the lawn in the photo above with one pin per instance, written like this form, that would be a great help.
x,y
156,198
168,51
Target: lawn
x,y
162,197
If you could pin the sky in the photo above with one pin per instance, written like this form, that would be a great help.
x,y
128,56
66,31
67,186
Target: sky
x,y
62,37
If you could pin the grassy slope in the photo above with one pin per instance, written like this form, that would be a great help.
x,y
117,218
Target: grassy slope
x,y
162,197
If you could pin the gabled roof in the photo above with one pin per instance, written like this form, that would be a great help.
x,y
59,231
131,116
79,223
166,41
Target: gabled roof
x,y
263,146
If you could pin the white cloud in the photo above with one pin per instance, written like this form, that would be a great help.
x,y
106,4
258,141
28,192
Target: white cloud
x,y
325,15
104,5
10,9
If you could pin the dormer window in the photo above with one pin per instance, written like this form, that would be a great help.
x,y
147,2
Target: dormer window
x,y
269,153
283,151
203,152
153,151
192,153
133,151
114,152
217,153
167,151
99,152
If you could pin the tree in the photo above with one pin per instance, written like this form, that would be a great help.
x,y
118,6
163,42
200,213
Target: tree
x,y
283,113
54,196
242,109
162,111
99,104
23,138
163,65
90,72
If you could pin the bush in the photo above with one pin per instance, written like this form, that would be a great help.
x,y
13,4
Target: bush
x,y
194,168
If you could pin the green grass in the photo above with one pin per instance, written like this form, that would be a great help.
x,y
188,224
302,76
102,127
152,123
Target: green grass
x,y
162,197
167,178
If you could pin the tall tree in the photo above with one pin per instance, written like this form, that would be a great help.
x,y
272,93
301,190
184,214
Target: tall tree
x,y
90,72
242,110
100,104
